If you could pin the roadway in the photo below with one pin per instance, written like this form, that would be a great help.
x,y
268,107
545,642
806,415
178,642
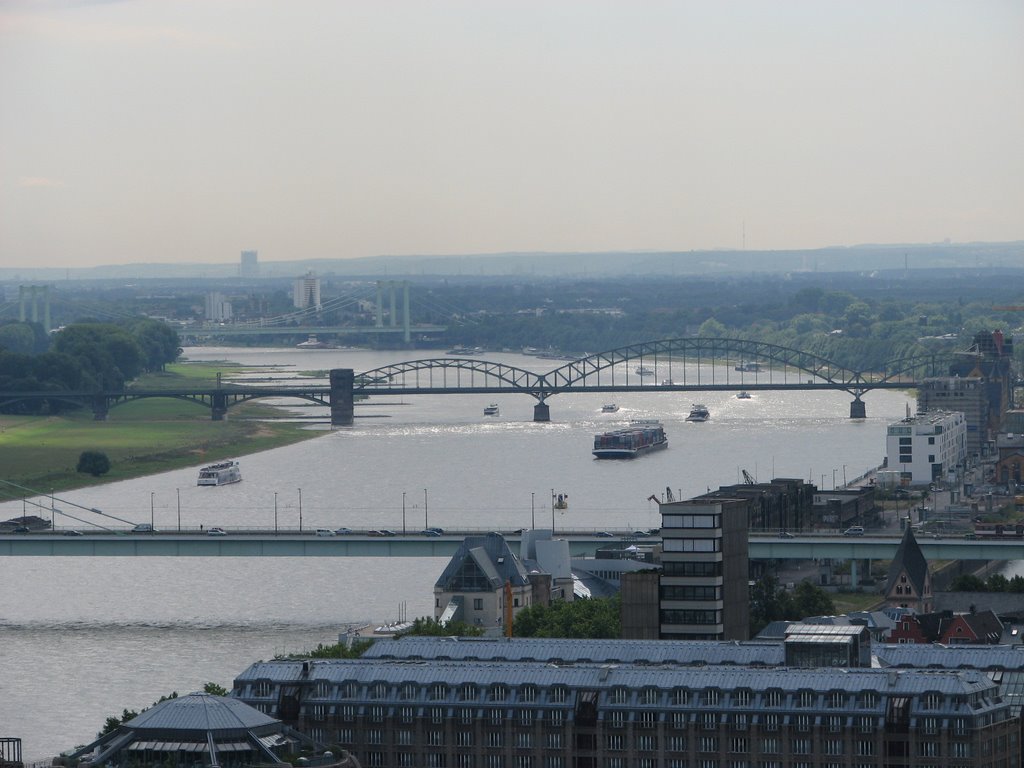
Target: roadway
x,y
293,543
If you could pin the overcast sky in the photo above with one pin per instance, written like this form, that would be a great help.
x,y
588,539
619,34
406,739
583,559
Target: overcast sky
x,y
186,131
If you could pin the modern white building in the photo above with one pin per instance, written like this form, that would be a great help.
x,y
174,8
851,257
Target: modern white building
x,y
927,447
306,293
218,308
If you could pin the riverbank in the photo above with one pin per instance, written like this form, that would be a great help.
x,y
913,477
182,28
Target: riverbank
x,y
140,438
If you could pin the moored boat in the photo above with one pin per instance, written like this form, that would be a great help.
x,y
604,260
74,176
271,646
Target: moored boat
x,y
699,413
314,343
639,437
222,473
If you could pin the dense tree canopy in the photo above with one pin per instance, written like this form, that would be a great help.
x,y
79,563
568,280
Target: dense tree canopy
x,y
594,618
81,357
769,602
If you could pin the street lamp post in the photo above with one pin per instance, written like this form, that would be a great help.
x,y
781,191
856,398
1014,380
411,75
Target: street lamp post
x,y
152,513
300,510
403,513
53,513
426,523
533,513
275,511
833,479
844,475
178,492
552,511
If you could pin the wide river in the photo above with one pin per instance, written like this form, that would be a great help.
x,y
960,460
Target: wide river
x,y
84,638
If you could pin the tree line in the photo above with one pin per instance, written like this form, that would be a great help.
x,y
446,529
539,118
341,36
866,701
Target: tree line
x,y
83,356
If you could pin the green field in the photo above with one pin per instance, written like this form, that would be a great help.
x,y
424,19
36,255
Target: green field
x,y
142,437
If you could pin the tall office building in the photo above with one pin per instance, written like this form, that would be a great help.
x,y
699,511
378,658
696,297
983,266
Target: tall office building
x,y
704,591
306,293
250,266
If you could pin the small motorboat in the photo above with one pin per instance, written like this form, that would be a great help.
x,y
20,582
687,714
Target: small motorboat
x,y
698,413
609,408
491,410
744,395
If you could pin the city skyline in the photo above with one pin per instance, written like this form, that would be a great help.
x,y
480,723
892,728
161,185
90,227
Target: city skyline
x,y
149,132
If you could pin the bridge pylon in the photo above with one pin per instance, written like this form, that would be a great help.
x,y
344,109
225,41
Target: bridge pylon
x,y
341,397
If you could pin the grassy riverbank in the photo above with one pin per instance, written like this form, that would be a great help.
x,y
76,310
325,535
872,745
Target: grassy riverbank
x,y
140,438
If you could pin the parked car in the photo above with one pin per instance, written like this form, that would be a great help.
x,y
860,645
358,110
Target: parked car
x,y
387,532
854,530
436,530
324,532
216,532
21,529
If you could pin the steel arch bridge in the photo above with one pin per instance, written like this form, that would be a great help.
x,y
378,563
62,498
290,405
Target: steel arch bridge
x,y
668,365
682,364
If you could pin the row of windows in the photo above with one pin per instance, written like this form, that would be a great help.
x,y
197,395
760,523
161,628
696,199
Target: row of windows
x,y
676,592
690,521
691,545
742,697
691,568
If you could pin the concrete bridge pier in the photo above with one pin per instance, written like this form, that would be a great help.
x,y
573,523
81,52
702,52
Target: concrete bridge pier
x,y
857,409
541,412
219,406
100,408
341,398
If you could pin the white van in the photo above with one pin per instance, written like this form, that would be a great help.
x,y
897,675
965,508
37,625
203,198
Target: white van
x,y
324,532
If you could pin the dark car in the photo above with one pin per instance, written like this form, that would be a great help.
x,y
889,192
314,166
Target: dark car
x,y
785,535
436,530
605,535
430,532
73,532
387,532
21,529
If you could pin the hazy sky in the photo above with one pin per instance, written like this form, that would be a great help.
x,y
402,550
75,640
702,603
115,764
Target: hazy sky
x,y
188,130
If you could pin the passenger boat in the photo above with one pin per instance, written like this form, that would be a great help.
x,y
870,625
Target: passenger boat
x,y
749,366
699,413
314,343
639,437
609,408
668,383
744,395
491,410
642,370
223,473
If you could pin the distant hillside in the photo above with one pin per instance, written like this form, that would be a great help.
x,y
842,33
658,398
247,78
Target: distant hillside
x,y
860,258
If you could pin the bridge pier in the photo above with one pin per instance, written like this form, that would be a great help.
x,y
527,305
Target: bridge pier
x,y
100,409
857,409
341,398
219,406
541,412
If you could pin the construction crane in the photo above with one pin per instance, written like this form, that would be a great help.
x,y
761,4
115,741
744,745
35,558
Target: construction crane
x,y
748,479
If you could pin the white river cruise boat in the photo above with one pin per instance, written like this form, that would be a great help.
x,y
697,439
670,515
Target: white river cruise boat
x,y
223,473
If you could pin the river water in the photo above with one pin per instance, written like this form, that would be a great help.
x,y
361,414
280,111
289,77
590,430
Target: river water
x,y
84,638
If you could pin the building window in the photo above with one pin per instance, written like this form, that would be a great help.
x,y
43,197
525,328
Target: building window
x,y
464,738
497,693
528,693
743,697
618,696
773,698
708,743
261,688
553,740
613,742
649,696
467,693
438,692
495,739
557,695
478,603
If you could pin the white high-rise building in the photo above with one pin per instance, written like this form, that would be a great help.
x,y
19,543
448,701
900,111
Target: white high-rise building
x,y
307,292
218,308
